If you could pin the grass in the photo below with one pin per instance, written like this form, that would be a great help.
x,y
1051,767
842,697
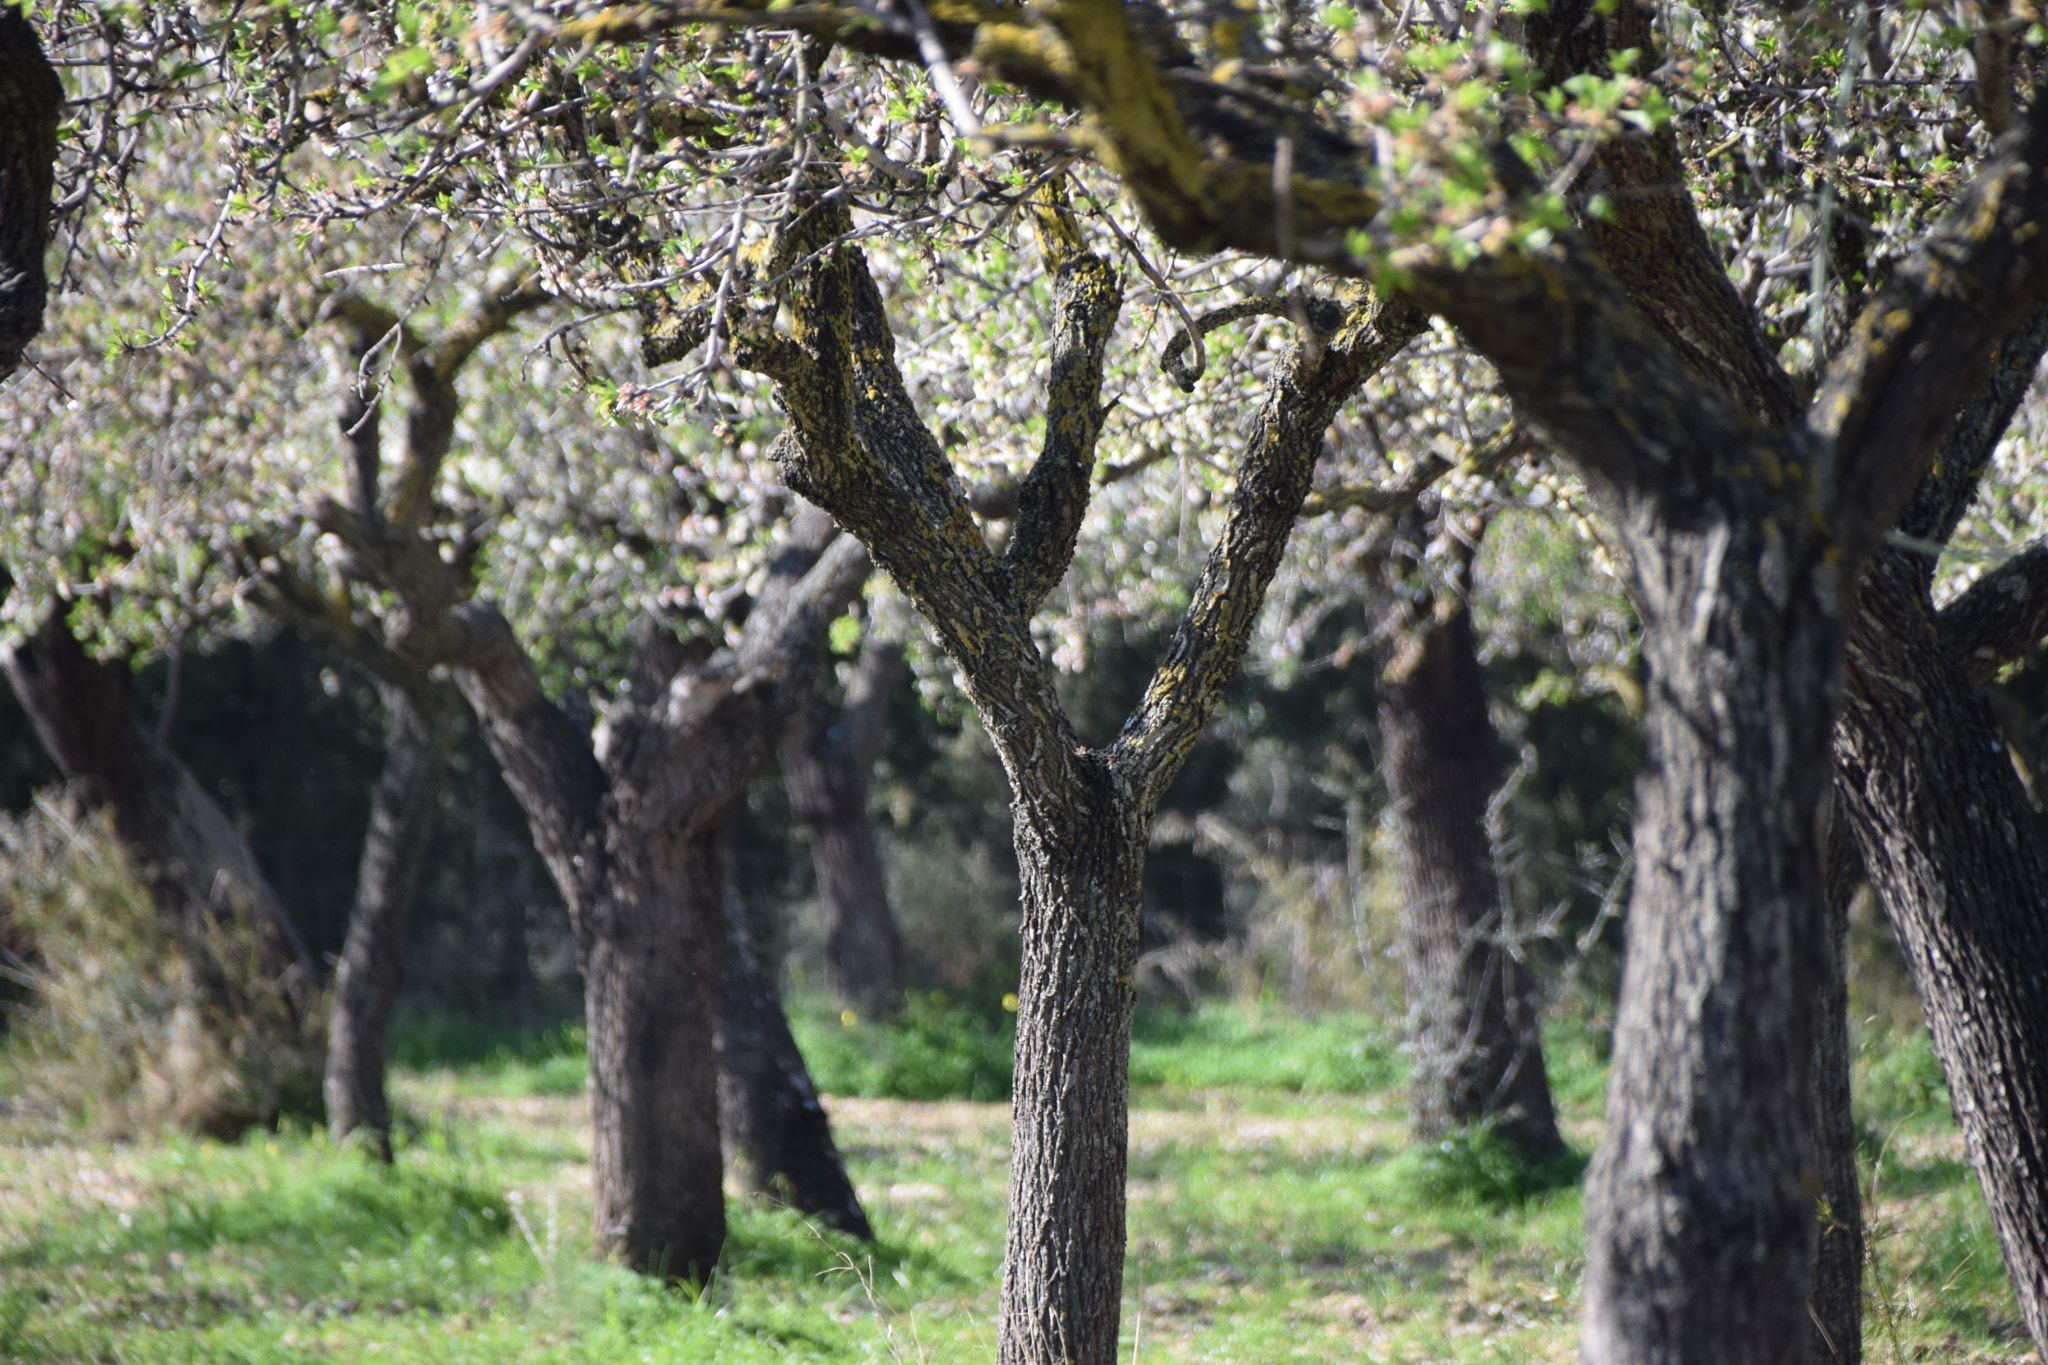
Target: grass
x,y
1277,1213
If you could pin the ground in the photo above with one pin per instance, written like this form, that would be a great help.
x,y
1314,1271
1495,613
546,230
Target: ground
x,y
1267,1225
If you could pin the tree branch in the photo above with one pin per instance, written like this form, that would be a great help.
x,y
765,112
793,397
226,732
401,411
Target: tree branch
x,y
1925,343
1483,459
2001,617
1281,450
1651,236
856,446
1054,496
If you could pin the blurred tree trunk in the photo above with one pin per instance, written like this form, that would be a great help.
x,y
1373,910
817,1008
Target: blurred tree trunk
x,y
31,99
1837,1302
419,735
83,710
1472,1003
774,1129
825,763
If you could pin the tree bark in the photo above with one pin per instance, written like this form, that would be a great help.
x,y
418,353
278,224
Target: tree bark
x,y
1947,837
83,710
653,944
31,99
774,1129
1700,1236
419,736
825,763
1472,1004
1081,865
1836,1303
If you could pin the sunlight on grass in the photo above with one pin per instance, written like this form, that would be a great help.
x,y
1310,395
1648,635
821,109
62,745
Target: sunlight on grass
x,y
1278,1212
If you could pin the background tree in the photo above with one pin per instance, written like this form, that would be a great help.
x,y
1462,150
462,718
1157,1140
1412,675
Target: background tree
x,y
825,761
1471,998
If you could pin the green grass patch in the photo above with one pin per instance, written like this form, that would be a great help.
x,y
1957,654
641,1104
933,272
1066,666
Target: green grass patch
x,y
1277,1212
938,1048
1216,1047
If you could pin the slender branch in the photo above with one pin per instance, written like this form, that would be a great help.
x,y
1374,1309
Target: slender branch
x,y
1925,344
1482,460
1274,474
1053,498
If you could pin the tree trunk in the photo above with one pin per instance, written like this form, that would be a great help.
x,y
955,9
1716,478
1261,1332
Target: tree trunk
x,y
419,735
774,1129
1478,1054
31,100
1836,1337
825,767
651,960
82,709
1946,837
1081,866
1700,1235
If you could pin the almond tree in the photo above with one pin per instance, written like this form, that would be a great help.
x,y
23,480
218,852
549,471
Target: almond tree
x,y
631,818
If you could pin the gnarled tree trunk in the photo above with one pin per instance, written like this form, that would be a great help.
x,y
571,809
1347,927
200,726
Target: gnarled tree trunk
x,y
825,762
419,735
857,446
1478,1051
774,1129
622,816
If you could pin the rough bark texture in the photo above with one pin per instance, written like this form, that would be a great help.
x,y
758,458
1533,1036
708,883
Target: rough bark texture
x,y
83,710
825,761
30,101
1478,1054
856,446
1946,836
419,736
774,1129
652,949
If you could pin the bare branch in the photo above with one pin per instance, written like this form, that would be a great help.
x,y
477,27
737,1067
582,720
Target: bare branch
x,y
1054,496
1281,449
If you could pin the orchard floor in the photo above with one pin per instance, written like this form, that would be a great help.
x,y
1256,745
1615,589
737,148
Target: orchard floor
x,y
1266,1225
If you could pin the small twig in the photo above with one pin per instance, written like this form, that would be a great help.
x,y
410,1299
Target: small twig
x,y
940,68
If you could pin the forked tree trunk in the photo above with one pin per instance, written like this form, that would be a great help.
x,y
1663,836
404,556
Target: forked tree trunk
x,y
83,709
825,763
1836,1337
419,735
31,100
774,1130
630,822
856,445
1472,1004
